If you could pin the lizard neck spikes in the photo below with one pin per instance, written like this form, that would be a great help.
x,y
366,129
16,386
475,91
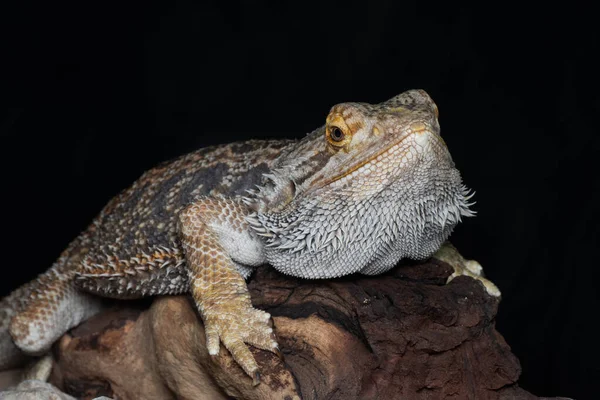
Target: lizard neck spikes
x,y
390,192
374,185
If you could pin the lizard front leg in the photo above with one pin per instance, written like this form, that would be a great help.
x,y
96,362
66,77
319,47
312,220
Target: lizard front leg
x,y
217,241
463,267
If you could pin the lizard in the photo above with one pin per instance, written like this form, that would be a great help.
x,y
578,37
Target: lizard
x,y
374,185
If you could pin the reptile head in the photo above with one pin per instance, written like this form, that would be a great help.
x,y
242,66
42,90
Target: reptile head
x,y
375,184
370,146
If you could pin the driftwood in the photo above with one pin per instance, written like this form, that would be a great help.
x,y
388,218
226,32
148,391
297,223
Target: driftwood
x,y
401,335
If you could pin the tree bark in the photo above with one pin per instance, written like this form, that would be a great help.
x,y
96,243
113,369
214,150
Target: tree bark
x,y
401,335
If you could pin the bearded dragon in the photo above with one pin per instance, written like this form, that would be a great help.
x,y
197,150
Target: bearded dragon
x,y
374,185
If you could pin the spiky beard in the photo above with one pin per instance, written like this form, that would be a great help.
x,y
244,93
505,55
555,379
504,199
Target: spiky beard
x,y
327,233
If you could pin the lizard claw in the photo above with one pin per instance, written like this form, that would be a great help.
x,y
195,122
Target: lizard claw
x,y
278,353
236,327
256,379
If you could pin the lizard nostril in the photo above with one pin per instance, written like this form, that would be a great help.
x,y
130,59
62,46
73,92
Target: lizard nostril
x,y
418,127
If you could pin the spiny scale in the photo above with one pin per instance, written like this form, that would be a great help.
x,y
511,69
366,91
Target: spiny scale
x,y
372,186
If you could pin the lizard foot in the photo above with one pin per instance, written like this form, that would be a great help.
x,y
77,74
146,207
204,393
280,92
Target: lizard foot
x,y
234,328
448,254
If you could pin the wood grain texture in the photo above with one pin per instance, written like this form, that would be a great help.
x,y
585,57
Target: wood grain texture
x,y
403,334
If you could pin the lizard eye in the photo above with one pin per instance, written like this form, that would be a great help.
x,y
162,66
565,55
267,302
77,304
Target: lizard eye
x,y
336,134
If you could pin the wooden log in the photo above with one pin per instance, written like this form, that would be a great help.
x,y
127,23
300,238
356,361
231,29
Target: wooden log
x,y
401,335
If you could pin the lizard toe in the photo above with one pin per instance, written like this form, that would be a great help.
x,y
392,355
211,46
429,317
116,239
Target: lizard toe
x,y
241,354
236,331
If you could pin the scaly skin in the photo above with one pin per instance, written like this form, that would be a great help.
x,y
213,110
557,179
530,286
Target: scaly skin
x,y
374,185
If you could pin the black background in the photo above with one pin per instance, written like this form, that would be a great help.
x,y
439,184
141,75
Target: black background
x,y
99,92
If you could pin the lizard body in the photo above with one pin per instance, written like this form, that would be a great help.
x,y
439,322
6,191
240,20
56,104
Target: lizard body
x,y
374,185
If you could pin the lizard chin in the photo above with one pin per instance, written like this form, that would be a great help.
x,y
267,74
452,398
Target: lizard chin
x,y
389,190
372,217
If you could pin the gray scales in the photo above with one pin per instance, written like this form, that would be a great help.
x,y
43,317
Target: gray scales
x,y
374,185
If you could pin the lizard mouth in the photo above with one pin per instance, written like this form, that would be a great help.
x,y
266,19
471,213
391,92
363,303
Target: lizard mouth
x,y
421,135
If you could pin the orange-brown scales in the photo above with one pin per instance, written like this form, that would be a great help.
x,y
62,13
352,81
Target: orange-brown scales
x,y
374,185
134,244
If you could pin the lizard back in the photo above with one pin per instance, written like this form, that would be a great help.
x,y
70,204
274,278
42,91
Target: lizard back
x,y
134,239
